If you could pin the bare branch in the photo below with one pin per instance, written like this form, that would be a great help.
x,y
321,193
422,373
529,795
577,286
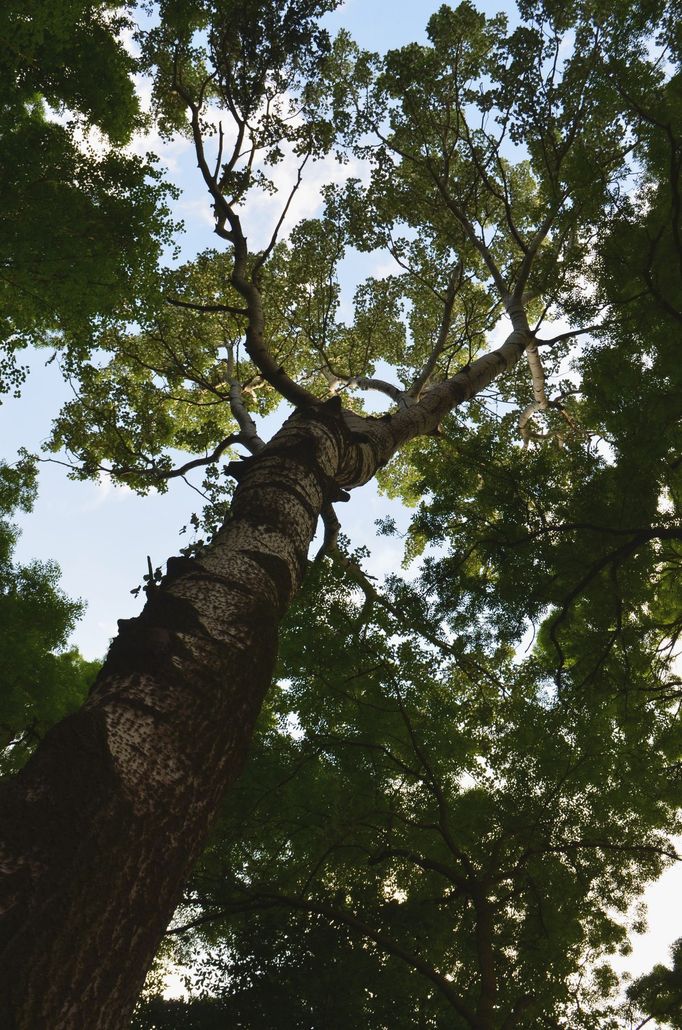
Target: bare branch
x,y
571,333
388,944
223,211
248,431
332,527
208,308
219,157
127,471
392,248
450,294
473,236
432,865
243,283
265,254
612,560
401,397
265,899
535,244
457,211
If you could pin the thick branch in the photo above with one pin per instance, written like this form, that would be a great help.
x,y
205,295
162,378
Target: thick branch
x,y
401,397
540,401
332,527
248,434
432,865
379,439
570,333
208,308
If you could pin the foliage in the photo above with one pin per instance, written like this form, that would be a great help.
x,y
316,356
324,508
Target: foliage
x,y
402,786
41,681
463,781
659,993
412,775
84,221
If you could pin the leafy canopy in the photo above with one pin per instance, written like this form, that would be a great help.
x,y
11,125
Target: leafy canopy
x,y
84,221
41,680
455,814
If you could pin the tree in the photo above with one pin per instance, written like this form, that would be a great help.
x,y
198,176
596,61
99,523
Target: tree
x,y
41,682
495,173
436,843
67,78
659,992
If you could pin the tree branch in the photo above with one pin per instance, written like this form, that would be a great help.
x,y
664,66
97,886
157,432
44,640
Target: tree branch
x,y
450,294
388,945
208,308
248,434
401,397
243,283
540,401
265,254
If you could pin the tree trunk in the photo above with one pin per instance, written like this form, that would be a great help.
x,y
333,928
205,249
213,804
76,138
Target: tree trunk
x,y
103,825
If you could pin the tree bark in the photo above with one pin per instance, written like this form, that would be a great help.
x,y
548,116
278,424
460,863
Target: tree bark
x,y
101,828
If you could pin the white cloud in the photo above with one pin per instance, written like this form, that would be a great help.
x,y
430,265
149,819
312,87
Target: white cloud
x,y
105,491
193,209
263,210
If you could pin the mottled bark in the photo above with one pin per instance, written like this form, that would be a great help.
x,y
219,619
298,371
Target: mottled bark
x,y
540,401
101,828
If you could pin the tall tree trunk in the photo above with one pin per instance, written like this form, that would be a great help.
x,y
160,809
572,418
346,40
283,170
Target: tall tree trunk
x,y
103,825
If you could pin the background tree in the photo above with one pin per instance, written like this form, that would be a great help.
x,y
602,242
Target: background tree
x,y
83,221
469,830
494,169
659,993
41,681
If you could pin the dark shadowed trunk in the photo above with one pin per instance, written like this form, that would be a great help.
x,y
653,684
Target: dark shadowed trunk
x,y
103,825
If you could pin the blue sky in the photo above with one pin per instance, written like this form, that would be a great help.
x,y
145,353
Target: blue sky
x,y
101,534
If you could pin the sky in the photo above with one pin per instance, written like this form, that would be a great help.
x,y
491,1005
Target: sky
x,y
100,534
